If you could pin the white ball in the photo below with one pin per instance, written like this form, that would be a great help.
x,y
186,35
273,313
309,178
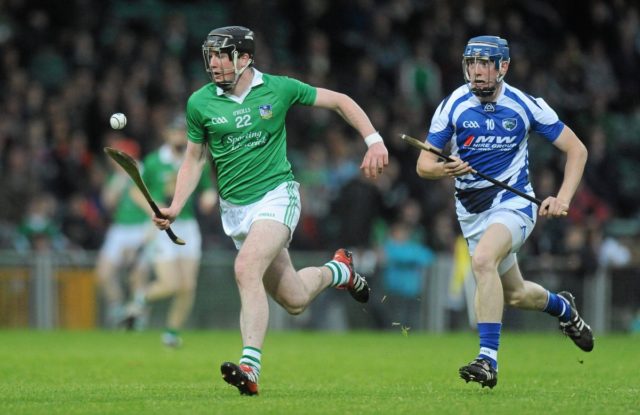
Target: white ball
x,y
118,121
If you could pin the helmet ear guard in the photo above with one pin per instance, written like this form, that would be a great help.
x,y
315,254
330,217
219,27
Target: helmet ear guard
x,y
504,51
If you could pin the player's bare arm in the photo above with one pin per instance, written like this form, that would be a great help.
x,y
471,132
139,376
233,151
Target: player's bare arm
x,y
576,153
430,167
188,177
377,157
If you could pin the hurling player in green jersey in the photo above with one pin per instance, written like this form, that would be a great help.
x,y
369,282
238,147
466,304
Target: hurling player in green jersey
x,y
175,266
239,118
128,231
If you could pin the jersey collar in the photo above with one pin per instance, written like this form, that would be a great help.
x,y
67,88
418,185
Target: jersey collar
x,y
257,80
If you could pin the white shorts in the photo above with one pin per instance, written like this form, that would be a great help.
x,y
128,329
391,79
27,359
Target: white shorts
x,y
519,223
124,238
163,249
282,204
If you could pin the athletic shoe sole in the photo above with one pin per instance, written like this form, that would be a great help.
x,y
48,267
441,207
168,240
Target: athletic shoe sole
x,y
234,376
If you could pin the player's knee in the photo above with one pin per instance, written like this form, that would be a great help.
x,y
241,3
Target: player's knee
x,y
482,263
242,271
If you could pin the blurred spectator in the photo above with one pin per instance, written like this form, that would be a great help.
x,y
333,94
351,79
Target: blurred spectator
x,y
18,183
80,221
588,209
354,212
420,78
611,252
315,196
604,186
404,262
579,254
600,81
39,231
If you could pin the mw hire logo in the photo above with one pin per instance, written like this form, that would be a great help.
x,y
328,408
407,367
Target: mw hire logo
x,y
485,140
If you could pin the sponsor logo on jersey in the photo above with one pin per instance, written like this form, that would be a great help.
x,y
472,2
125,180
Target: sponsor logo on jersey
x,y
265,111
489,107
490,142
247,140
242,111
510,124
470,124
218,120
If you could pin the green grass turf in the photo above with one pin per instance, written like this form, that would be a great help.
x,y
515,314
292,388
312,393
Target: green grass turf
x,y
312,373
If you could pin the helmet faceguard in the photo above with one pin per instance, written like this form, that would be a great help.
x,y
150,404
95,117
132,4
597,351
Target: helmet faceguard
x,y
234,41
491,49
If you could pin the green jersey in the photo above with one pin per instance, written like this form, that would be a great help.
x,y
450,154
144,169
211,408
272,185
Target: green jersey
x,y
127,211
160,171
246,135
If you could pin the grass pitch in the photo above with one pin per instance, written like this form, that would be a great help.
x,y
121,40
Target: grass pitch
x,y
313,373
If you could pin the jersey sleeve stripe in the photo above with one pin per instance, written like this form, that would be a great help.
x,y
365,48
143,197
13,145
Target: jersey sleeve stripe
x,y
521,107
444,103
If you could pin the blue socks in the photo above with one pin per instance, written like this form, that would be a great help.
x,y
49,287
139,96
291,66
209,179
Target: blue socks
x,y
489,342
490,332
557,307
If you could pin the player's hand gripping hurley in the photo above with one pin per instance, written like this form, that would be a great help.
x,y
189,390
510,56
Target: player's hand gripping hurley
x,y
424,146
131,167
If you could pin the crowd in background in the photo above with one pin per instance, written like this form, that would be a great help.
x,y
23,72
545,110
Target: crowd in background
x,y
66,66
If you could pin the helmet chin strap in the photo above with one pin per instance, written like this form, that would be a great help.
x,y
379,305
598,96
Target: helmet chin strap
x,y
228,86
484,92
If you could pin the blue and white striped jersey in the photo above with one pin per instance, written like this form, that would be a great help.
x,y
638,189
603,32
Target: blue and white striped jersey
x,y
492,137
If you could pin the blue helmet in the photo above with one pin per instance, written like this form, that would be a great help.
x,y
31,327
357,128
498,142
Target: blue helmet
x,y
492,48
504,49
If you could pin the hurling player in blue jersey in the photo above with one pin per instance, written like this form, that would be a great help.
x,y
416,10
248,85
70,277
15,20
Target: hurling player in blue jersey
x,y
486,122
